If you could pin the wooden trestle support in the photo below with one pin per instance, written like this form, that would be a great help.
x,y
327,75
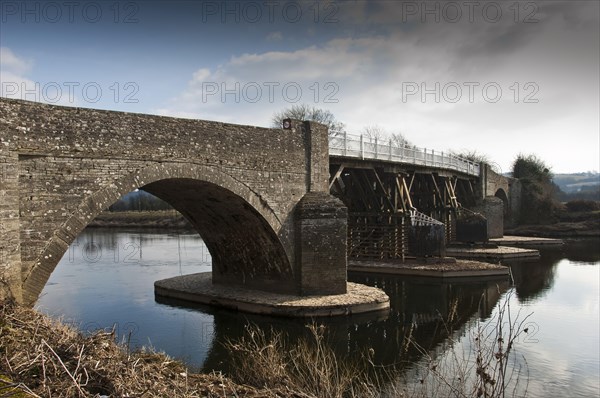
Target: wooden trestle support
x,y
380,199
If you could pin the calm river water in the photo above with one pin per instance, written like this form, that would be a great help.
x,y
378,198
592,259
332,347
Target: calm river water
x,y
106,280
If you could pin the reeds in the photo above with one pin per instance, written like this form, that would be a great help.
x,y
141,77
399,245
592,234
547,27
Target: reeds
x,y
485,364
308,364
40,357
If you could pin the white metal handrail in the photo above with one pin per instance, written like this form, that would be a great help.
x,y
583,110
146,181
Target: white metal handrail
x,y
360,146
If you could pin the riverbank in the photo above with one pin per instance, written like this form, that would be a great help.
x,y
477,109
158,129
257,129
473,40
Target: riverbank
x,y
160,219
569,225
43,357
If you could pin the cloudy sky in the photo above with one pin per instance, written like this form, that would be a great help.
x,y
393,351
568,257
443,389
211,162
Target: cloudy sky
x,y
498,77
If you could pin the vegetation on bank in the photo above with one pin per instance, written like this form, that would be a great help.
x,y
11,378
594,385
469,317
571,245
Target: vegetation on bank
x,y
40,357
539,202
542,213
487,365
139,200
309,112
159,219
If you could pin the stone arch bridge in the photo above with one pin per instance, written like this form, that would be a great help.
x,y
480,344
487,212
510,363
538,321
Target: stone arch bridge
x,y
258,197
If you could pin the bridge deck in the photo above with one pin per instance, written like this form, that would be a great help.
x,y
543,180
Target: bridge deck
x,y
359,146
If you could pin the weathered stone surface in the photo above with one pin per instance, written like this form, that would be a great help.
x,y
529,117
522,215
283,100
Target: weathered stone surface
x,y
10,258
507,190
492,208
321,228
238,185
198,288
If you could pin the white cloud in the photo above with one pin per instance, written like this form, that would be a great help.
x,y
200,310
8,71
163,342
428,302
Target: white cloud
x,y
367,73
13,64
200,75
12,74
15,83
275,36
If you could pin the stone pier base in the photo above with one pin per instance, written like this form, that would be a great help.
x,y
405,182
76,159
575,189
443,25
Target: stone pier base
x,y
198,288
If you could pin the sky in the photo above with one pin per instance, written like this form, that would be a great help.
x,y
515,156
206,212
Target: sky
x,y
501,78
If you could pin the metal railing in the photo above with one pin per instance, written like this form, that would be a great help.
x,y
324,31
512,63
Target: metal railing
x,y
362,147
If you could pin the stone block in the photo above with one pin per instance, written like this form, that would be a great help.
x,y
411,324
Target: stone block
x,y
321,229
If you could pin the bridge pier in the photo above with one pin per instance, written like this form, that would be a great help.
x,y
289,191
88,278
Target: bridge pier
x,y
259,197
495,200
321,224
492,208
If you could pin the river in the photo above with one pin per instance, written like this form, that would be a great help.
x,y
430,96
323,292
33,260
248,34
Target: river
x,y
105,280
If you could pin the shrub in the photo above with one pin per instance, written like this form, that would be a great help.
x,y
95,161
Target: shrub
x,y
583,205
538,204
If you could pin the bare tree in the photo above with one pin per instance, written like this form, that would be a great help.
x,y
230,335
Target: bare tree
x,y
312,113
472,155
374,132
398,140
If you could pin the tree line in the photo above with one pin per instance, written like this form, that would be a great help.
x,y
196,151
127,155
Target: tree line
x,y
139,201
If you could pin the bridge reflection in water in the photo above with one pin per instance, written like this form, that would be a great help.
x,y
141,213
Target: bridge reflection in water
x,y
427,311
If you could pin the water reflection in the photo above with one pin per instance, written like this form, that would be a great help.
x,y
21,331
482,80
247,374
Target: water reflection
x,y
533,279
425,310
106,278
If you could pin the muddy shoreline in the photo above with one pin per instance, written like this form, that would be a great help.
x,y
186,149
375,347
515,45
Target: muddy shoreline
x,y
569,225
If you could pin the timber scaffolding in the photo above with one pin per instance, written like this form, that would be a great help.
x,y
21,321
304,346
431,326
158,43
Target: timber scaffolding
x,y
388,189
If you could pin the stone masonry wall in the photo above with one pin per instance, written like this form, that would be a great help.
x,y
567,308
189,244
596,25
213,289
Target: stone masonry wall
x,y
492,208
10,256
493,181
320,238
72,163
515,202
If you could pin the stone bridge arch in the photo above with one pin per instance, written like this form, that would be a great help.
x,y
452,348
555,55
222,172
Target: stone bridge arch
x,y
266,189
501,194
496,201
236,224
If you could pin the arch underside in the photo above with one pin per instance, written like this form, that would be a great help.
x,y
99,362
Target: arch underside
x,y
501,194
238,227
244,248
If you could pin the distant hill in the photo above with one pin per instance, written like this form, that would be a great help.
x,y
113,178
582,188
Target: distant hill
x,y
577,182
573,186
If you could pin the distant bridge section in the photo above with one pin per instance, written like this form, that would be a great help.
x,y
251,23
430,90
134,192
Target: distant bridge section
x,y
383,184
361,147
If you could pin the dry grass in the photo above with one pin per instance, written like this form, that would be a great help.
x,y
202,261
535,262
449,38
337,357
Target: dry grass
x,y
488,367
40,357
308,365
